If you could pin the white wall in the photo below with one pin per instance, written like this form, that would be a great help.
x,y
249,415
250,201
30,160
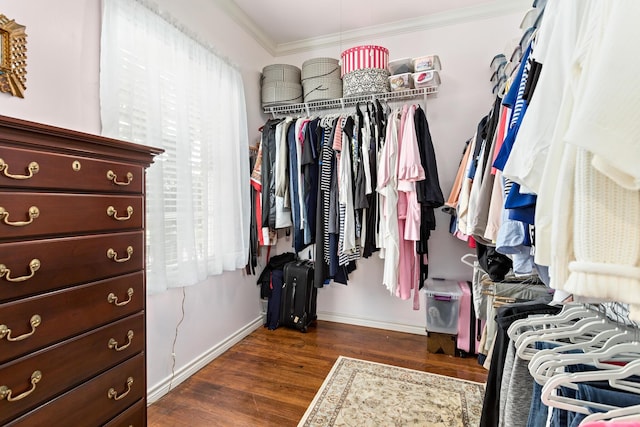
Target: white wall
x,y
62,90
63,58
465,51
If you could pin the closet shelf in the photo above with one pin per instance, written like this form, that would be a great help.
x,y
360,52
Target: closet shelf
x,y
349,101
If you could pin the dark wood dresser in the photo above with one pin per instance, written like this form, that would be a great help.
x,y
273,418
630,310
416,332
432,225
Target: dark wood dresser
x,y
72,278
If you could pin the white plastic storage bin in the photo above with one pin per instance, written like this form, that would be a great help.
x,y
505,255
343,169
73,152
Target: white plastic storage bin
x,y
443,305
402,81
400,66
426,79
426,63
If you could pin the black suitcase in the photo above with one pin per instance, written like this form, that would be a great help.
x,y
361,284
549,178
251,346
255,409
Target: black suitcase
x,y
299,295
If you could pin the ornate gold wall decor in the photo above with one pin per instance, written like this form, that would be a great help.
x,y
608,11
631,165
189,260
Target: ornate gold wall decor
x,y
13,57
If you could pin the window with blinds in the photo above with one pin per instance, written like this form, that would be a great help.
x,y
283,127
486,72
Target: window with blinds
x,y
161,87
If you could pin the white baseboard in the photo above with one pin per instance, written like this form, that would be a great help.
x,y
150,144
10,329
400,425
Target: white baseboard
x,y
359,321
158,390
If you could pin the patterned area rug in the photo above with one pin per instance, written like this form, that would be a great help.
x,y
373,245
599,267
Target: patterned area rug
x,y
361,393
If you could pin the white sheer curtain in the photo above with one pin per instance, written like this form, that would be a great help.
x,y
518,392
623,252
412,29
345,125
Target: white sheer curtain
x,y
161,87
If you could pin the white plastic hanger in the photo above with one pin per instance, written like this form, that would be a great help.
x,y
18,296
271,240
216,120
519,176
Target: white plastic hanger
x,y
583,330
626,352
570,312
557,354
603,340
630,413
548,365
530,18
549,328
615,377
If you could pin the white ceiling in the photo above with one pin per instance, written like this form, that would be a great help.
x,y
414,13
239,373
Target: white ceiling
x,y
288,26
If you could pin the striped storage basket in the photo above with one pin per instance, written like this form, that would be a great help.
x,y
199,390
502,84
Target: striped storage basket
x,y
321,89
281,85
280,93
321,79
364,57
320,67
281,73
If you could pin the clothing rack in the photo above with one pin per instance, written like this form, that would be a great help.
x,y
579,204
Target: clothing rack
x,y
349,101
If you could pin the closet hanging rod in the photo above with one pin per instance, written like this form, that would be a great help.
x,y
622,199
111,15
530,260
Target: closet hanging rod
x,y
349,101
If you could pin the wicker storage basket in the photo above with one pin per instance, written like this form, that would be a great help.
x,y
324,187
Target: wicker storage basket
x,y
281,73
322,88
279,93
366,81
320,67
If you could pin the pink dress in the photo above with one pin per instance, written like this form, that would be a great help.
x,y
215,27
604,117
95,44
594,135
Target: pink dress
x,y
409,171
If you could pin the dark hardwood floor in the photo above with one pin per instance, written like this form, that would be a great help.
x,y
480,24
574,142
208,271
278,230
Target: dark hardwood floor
x,y
270,377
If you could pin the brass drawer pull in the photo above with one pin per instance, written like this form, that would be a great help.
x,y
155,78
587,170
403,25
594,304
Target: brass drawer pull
x,y
34,213
111,176
35,321
112,254
113,394
113,344
6,392
34,266
112,212
33,169
113,299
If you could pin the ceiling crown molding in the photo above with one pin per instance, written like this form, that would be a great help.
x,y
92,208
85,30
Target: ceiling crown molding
x,y
234,12
442,19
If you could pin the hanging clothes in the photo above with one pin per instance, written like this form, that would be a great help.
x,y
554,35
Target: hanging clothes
x,y
281,176
355,184
268,176
388,189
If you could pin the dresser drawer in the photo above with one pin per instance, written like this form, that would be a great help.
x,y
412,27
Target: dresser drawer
x,y
95,402
68,364
38,266
22,168
132,417
39,214
45,319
